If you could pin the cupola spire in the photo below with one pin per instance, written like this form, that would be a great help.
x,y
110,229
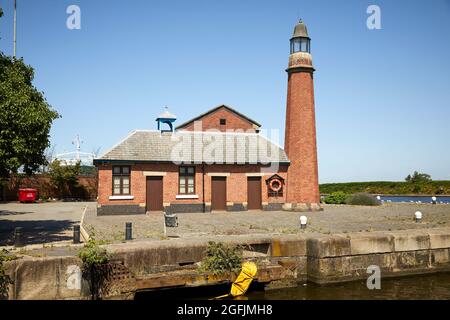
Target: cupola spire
x,y
166,118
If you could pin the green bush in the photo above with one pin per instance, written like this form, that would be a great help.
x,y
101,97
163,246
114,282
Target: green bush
x,y
337,197
92,254
96,267
5,280
389,187
221,258
363,199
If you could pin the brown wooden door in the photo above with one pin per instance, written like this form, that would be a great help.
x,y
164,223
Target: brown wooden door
x,y
219,193
254,193
155,194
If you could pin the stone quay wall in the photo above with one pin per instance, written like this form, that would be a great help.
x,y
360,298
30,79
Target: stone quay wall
x,y
283,260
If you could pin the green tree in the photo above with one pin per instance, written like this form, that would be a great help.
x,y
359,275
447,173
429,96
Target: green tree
x,y
25,119
418,177
64,178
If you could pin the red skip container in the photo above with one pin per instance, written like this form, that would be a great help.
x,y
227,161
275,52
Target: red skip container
x,y
27,195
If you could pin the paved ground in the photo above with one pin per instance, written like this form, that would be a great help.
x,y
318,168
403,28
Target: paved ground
x,y
53,222
41,222
334,219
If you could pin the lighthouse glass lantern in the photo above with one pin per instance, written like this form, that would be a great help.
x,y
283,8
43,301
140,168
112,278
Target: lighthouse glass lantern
x,y
300,41
300,45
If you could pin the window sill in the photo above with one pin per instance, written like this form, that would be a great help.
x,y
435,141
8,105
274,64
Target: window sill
x,y
186,196
121,197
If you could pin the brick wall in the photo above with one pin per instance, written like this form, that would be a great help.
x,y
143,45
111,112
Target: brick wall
x,y
212,121
41,182
300,140
236,183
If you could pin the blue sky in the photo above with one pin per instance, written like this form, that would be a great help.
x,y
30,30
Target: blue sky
x,y
382,96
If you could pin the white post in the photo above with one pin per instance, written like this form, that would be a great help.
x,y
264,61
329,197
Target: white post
x,y
303,222
418,216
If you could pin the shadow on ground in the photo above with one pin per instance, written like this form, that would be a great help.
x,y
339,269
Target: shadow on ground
x,y
36,231
13,213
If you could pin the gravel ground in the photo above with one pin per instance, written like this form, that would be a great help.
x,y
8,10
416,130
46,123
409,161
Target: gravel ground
x,y
334,219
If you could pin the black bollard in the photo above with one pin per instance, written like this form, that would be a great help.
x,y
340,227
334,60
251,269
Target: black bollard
x,y
76,234
128,230
18,237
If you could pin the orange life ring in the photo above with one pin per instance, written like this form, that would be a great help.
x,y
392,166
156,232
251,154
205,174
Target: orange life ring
x,y
277,187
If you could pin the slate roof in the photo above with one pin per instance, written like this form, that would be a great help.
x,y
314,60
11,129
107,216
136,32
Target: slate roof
x,y
215,109
195,147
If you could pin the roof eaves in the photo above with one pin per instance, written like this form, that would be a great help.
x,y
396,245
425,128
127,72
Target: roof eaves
x,y
124,161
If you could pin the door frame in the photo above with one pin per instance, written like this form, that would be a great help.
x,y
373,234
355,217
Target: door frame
x,y
218,178
147,178
260,192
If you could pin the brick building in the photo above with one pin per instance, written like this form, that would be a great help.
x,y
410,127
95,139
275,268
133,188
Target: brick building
x,y
218,160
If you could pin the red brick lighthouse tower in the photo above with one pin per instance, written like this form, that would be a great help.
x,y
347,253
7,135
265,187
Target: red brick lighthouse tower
x,y
302,192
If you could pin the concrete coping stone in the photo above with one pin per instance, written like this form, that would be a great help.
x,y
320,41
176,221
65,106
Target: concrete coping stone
x,y
288,246
361,243
411,240
439,238
322,246
399,240
182,243
371,242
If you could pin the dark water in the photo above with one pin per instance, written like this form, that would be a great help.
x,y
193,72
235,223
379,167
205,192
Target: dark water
x,y
425,287
426,199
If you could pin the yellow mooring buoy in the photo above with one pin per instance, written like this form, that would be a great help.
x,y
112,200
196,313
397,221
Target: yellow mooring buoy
x,y
243,281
